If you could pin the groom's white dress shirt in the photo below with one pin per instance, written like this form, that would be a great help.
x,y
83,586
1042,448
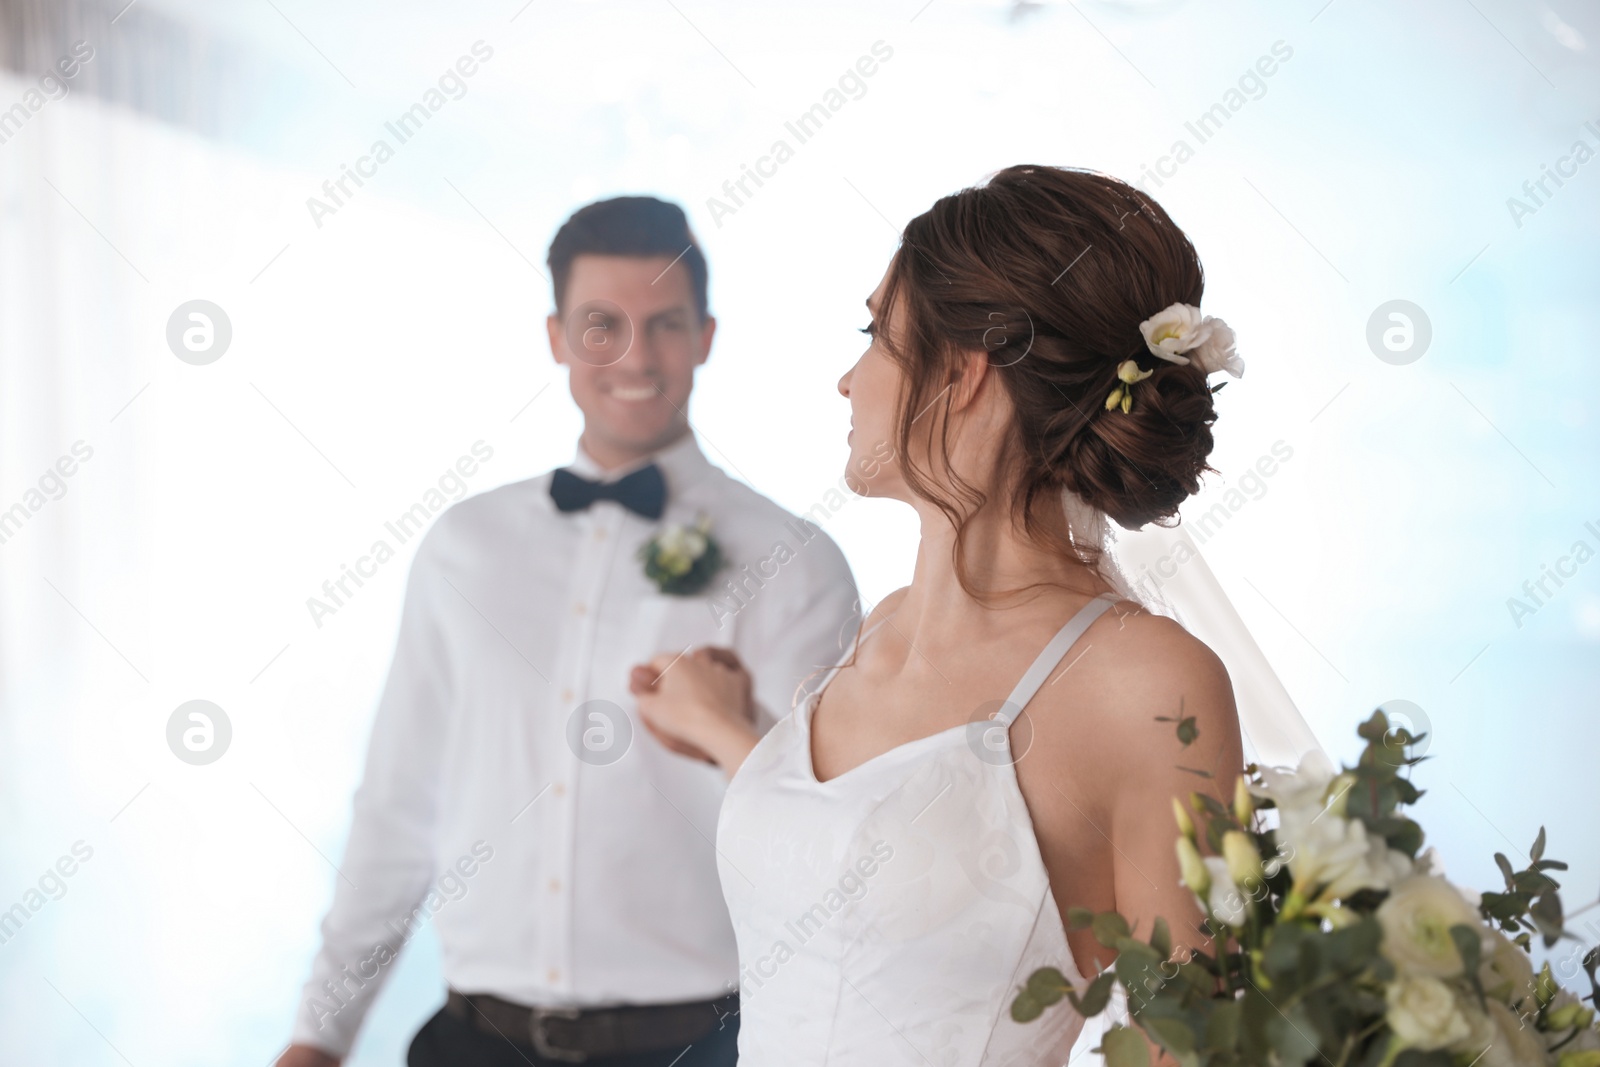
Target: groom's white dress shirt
x,y
563,861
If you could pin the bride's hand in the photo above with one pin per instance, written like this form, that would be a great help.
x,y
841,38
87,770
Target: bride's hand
x,y
699,703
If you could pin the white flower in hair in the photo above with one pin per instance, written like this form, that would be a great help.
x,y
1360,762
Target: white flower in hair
x,y
1174,330
1180,328
1216,351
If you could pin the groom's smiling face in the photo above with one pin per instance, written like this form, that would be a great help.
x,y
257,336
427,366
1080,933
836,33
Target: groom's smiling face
x,y
630,334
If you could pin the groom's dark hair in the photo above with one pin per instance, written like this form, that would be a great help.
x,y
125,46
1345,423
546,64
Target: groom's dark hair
x,y
628,226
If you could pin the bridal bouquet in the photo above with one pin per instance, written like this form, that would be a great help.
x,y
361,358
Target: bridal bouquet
x,y
1333,941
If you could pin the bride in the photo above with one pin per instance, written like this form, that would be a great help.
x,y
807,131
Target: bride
x,y
1000,742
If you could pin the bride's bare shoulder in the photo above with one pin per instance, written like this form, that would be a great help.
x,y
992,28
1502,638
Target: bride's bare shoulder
x,y
885,607
1130,667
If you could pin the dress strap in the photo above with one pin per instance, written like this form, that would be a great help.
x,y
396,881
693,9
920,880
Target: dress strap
x,y
859,640
1046,662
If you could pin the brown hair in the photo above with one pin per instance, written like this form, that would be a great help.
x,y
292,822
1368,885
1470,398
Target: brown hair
x,y
628,226
1051,270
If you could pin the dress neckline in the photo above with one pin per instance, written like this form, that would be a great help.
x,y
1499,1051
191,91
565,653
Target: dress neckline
x,y
1021,694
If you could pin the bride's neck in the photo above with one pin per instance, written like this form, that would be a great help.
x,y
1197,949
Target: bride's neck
x,y
999,560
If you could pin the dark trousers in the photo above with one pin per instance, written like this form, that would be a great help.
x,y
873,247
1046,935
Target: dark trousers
x,y
445,1041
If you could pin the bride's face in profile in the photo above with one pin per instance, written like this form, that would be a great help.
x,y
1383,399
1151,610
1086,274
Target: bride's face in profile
x,y
873,386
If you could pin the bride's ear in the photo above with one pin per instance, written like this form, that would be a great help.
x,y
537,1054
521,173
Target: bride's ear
x,y
968,378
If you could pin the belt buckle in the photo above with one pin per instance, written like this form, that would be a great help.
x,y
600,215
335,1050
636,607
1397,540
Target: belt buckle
x,y
541,1040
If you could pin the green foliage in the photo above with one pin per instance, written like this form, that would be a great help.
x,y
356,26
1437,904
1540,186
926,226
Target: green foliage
x,y
1532,900
1302,977
1125,1048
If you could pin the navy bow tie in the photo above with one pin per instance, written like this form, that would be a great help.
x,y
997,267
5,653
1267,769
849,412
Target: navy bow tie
x,y
643,492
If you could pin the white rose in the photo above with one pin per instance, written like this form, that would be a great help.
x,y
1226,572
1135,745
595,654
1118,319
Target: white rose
x,y
1416,920
1506,973
1216,351
1513,1042
1483,1031
1174,330
1425,1014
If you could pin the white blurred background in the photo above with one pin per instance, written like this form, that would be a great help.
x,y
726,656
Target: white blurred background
x,y
373,345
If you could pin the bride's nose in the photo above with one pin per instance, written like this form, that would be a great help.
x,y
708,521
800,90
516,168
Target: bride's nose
x,y
844,383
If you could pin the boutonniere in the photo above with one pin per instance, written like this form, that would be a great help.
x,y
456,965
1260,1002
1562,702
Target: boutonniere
x,y
681,559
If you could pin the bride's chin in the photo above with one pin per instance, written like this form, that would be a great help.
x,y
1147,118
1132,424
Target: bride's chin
x,y
877,488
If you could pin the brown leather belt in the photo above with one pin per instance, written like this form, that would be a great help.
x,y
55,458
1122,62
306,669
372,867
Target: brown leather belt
x,y
573,1035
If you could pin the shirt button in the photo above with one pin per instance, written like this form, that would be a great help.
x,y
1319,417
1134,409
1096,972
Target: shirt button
x,y
552,976
579,608
555,885
600,534
559,789
566,696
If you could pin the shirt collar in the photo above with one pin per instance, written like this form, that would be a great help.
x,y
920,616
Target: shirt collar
x,y
681,463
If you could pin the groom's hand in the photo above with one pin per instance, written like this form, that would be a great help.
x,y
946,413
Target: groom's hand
x,y
306,1056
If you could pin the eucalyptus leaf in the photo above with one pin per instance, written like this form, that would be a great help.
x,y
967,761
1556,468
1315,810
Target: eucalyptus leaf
x,y
1096,996
1469,945
1535,882
1471,949
1109,928
1291,1035
1125,1048
1025,1009
1222,1026
1173,1034
1374,729
1161,938
1046,985
1546,913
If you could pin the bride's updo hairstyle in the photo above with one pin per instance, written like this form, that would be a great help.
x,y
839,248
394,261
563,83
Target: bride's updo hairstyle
x,y
1051,271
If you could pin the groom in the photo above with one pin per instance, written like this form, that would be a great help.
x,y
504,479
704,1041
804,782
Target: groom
x,y
565,854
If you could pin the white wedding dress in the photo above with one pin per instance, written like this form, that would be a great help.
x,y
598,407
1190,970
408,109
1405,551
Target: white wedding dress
x,y
888,915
